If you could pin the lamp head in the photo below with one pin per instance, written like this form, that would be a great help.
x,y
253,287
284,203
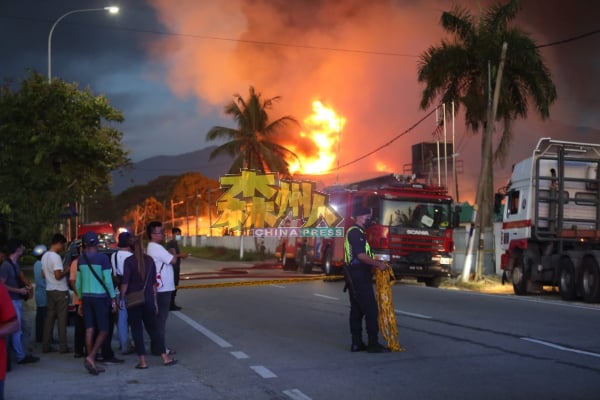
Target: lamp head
x,y
112,9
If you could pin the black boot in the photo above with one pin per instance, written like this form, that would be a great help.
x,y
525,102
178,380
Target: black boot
x,y
357,344
376,347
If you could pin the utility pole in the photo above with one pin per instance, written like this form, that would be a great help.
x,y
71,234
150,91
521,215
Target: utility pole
x,y
197,211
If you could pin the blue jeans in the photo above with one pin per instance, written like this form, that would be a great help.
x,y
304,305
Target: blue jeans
x,y
123,327
17,337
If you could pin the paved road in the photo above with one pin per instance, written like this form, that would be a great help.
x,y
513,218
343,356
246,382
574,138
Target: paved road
x,y
287,341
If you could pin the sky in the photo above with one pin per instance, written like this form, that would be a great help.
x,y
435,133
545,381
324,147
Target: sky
x,y
172,65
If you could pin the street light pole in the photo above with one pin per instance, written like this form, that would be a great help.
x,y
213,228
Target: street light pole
x,y
112,10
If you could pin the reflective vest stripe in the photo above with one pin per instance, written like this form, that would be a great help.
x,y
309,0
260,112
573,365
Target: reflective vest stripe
x,y
348,249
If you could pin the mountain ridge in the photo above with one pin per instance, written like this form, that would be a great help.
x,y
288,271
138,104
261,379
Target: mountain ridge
x,y
144,171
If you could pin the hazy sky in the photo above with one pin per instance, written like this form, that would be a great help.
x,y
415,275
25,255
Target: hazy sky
x,y
172,65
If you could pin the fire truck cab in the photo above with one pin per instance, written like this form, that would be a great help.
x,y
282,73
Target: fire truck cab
x,y
104,230
411,229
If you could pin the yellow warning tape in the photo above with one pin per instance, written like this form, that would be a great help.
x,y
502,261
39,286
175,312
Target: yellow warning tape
x,y
261,282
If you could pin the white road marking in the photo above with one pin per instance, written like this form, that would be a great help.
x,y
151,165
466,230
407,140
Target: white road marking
x,y
296,394
409,314
278,286
264,372
206,332
561,348
239,355
325,297
513,297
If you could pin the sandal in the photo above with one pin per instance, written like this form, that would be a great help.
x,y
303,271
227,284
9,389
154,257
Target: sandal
x,y
169,363
140,366
90,368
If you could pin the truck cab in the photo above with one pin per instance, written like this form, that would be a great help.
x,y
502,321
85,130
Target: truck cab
x,y
551,221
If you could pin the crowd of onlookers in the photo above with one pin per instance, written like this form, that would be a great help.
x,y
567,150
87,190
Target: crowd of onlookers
x,y
131,288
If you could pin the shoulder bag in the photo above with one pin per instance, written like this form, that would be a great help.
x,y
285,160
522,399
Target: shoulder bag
x,y
137,298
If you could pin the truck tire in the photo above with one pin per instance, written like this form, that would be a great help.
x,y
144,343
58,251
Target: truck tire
x,y
433,282
327,258
304,265
286,263
519,280
567,284
590,280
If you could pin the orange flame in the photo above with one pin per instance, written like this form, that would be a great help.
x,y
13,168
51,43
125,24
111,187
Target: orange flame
x,y
324,127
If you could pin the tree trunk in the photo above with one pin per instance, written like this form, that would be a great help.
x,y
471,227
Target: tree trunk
x,y
485,190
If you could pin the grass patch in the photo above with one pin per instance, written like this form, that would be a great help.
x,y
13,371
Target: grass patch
x,y
488,284
219,253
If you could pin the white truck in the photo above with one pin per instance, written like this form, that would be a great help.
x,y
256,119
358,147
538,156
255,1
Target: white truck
x,y
551,221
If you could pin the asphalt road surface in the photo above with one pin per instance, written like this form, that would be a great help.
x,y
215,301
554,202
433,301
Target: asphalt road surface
x,y
281,341
291,341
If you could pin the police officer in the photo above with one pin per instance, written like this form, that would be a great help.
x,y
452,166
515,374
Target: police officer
x,y
359,278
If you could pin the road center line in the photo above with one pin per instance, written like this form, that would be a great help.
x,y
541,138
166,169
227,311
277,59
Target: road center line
x,y
264,372
325,296
409,314
561,348
206,332
296,394
239,355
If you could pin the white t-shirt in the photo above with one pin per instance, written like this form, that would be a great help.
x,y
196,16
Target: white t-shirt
x,y
117,259
51,262
162,258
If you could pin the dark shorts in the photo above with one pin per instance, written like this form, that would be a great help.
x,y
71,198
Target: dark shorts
x,y
95,313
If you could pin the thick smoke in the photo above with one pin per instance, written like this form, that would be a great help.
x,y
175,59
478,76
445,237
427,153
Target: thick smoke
x,y
377,93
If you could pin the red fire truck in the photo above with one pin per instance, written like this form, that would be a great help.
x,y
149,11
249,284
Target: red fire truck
x,y
411,229
105,231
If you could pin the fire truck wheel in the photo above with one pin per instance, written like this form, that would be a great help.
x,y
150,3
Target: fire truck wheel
x,y
433,282
286,262
590,280
519,280
566,284
304,265
327,268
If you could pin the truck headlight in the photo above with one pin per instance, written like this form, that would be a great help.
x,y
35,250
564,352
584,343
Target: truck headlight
x,y
382,257
445,260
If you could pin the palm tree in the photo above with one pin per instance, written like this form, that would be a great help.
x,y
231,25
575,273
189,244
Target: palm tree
x,y
458,70
253,142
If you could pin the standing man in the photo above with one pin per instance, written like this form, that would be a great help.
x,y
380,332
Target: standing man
x,y
8,324
173,248
117,259
164,276
359,278
95,289
39,293
18,286
57,294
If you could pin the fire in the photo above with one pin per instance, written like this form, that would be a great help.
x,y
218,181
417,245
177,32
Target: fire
x,y
381,167
324,128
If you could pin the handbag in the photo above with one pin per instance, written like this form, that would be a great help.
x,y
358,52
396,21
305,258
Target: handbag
x,y
136,298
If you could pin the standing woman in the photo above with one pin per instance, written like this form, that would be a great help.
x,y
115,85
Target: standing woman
x,y
139,273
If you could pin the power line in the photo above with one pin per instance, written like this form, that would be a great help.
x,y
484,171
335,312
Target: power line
x,y
278,44
389,142
571,39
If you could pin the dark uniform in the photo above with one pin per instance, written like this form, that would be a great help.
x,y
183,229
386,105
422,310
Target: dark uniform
x,y
362,297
